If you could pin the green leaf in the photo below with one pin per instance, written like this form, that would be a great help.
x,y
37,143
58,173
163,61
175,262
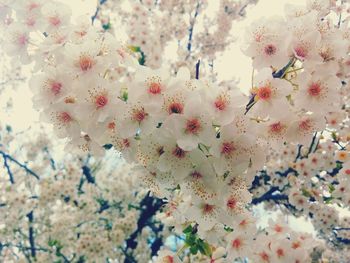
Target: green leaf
x,y
107,146
339,165
306,193
142,59
52,242
228,229
328,200
194,250
334,136
204,248
188,229
107,26
134,48
124,95
331,188
190,239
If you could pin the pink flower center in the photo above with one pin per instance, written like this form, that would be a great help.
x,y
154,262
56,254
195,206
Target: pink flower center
x,y
175,107
54,20
220,103
227,148
196,175
305,125
276,127
121,52
264,256
280,252
278,228
22,40
168,259
139,115
30,21
270,50
154,88
314,89
64,117
237,243
111,125
258,37
32,6
264,93
101,101
333,122
193,126
179,153
60,39
243,222
231,203
300,52
80,33
208,209
86,62
126,143
347,171
295,244
56,88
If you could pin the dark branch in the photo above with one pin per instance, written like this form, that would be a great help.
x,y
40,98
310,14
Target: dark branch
x,y
192,23
87,172
30,217
197,69
150,205
10,158
269,196
93,18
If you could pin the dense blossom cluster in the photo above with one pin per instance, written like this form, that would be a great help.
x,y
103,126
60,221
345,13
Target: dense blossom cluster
x,y
155,27
84,210
276,242
151,118
313,181
202,145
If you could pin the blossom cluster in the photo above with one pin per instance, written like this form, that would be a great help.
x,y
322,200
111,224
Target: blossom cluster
x,y
77,208
156,26
151,118
310,181
276,242
197,143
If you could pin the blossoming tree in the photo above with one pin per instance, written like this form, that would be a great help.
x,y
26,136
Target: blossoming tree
x,y
208,153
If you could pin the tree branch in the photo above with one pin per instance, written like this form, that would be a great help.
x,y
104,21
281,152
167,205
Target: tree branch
x,y
8,157
30,217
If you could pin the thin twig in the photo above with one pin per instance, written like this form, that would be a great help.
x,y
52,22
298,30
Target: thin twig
x,y
9,157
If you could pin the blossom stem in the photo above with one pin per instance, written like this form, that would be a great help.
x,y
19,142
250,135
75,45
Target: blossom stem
x,y
281,73
182,249
294,70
